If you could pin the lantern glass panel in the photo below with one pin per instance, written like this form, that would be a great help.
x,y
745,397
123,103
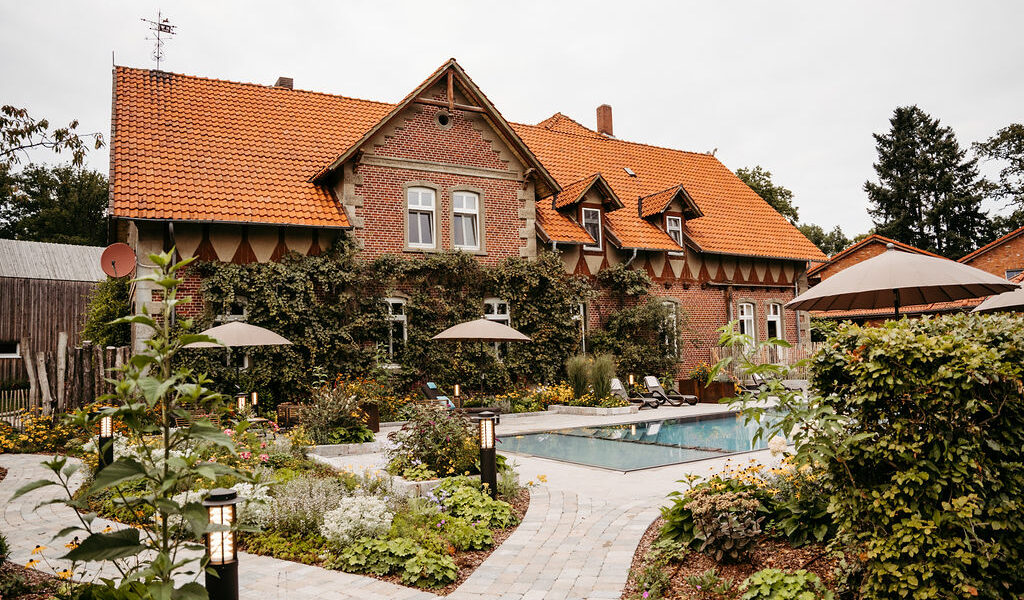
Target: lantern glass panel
x,y
222,543
241,400
487,433
106,427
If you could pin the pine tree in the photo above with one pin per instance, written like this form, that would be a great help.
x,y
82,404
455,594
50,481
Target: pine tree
x,y
928,193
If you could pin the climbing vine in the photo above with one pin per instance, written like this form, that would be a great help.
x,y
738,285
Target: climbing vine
x,y
332,307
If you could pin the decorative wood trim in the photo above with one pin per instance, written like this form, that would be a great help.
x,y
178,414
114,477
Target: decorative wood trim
x,y
438,167
450,106
244,254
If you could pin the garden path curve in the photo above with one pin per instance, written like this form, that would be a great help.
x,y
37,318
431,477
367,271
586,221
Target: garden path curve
x,y
567,547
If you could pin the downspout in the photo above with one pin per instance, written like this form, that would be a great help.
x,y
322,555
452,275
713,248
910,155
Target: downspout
x,y
796,292
631,258
554,246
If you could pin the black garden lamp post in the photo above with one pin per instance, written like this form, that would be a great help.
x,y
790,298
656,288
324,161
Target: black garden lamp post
x,y
105,446
222,583
488,458
458,391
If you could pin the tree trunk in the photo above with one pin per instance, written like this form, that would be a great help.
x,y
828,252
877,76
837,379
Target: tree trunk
x,y
33,385
44,384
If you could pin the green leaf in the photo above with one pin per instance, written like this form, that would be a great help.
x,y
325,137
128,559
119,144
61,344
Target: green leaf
x,y
190,591
121,470
35,485
107,546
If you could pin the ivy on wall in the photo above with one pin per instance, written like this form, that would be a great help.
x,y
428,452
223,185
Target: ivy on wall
x,y
332,308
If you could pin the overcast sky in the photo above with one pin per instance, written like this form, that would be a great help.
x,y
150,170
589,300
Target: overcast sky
x,y
797,87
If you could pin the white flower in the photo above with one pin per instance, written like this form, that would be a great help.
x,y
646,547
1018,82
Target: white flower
x,y
356,517
777,445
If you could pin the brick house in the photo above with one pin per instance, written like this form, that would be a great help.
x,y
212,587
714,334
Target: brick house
x,y
243,172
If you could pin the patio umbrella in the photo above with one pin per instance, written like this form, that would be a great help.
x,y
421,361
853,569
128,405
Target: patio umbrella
x,y
482,330
896,278
237,334
1007,301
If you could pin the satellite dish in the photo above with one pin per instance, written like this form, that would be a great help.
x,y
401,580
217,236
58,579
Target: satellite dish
x,y
118,260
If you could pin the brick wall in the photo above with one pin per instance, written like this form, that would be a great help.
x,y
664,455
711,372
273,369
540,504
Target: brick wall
x,y
859,255
999,259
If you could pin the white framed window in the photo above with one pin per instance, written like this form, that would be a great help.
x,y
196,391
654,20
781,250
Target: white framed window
x,y
10,349
398,332
671,337
1011,273
746,319
592,225
466,220
496,309
773,321
238,310
674,229
421,211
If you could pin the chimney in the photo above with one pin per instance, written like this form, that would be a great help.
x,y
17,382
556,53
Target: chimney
x,y
604,120
286,82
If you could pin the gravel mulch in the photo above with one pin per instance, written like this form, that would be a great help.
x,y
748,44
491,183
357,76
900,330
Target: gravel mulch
x,y
767,553
36,585
3,473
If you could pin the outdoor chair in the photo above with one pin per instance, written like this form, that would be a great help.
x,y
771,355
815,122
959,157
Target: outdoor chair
x,y
432,392
619,390
663,397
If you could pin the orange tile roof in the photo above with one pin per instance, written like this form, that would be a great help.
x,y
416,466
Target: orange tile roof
x,y
991,245
874,238
573,192
191,148
657,202
736,221
559,228
629,231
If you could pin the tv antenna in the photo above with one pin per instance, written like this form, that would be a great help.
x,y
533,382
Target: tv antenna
x,y
160,28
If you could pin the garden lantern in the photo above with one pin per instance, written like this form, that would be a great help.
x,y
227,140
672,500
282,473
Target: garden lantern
x,y
488,458
457,390
105,446
222,583
255,400
632,380
241,399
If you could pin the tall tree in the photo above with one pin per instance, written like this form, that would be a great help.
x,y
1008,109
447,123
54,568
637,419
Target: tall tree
x,y
64,204
928,192
831,242
1007,148
780,198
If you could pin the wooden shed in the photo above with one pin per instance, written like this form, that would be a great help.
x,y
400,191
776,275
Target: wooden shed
x,y
44,290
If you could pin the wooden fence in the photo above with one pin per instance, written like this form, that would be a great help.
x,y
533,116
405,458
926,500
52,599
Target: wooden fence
x,y
770,354
13,403
70,377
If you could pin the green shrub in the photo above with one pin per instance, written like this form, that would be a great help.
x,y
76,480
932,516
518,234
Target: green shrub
x,y
334,417
462,497
726,523
429,569
601,372
773,584
5,548
636,334
577,371
798,509
309,548
709,584
109,300
928,479
441,440
299,504
376,556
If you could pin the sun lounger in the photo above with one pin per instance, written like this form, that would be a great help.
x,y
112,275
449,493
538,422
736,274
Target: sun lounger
x,y
432,392
663,397
620,390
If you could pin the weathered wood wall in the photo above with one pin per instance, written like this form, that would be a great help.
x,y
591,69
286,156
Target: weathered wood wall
x,y
40,309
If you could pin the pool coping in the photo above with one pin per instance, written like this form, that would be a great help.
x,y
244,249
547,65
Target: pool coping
x,y
682,419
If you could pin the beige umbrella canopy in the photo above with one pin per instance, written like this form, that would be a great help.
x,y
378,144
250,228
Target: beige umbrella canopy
x,y
896,278
239,334
482,330
1007,301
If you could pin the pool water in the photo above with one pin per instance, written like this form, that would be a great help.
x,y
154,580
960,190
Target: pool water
x,y
634,446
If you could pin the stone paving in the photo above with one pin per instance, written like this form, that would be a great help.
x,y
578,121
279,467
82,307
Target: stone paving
x,y
576,541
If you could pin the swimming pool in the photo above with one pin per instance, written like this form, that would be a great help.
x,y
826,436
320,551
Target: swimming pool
x,y
634,446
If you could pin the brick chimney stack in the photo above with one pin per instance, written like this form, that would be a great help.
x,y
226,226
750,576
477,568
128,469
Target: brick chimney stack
x,y
284,82
604,120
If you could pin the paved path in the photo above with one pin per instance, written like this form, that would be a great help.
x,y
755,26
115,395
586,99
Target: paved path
x,y
566,547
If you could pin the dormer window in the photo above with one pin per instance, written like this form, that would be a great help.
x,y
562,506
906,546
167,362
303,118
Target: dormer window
x,y
592,225
674,229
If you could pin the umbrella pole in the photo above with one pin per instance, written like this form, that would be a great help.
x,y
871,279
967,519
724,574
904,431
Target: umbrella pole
x,y
896,303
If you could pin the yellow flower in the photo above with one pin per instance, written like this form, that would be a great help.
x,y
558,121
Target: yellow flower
x,y
65,574
542,478
108,529
31,563
38,549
